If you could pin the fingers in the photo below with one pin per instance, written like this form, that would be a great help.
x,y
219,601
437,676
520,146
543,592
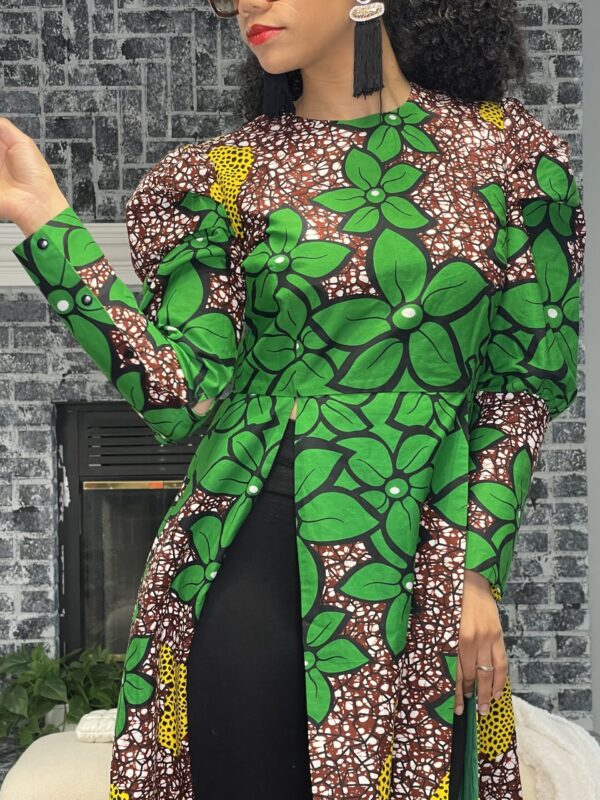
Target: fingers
x,y
9,133
485,679
500,662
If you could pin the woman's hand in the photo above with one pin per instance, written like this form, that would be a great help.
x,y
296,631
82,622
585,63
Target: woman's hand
x,y
481,641
29,194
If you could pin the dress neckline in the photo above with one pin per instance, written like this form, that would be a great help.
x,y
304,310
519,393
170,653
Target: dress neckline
x,y
366,119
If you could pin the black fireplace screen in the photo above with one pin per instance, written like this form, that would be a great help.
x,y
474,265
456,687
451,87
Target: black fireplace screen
x,y
116,483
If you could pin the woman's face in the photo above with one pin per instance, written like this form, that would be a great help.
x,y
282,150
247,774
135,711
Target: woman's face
x,y
313,31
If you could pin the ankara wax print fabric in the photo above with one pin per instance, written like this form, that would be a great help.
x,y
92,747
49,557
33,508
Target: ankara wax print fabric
x,y
413,279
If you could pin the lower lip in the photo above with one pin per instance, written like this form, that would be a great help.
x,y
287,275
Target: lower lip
x,y
264,36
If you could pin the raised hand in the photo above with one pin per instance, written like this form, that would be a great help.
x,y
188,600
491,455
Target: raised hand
x,y
29,193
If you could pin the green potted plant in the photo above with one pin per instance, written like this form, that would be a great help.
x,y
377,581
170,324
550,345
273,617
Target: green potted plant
x,y
42,695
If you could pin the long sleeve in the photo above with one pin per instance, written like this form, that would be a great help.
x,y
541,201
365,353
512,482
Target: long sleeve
x,y
178,346
528,374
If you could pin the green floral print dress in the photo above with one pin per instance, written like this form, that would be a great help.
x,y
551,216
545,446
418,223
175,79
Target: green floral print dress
x,y
413,279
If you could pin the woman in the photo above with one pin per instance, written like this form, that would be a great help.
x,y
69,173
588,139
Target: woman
x,y
386,272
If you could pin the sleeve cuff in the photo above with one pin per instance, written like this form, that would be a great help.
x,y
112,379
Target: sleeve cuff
x,y
64,238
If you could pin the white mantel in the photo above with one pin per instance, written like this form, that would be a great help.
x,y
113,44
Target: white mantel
x,y
110,236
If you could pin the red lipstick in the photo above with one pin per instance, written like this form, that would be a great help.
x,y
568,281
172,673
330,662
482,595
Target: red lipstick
x,y
257,34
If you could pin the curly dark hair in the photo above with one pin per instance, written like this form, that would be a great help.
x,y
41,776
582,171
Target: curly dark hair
x,y
468,49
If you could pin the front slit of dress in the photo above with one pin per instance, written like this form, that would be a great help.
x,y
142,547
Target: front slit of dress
x,y
246,685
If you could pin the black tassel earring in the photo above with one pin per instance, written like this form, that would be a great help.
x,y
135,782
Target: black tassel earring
x,y
277,94
368,59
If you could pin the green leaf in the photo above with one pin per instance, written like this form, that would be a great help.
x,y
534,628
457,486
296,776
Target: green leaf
x,y
551,266
396,622
431,344
130,386
552,178
136,651
340,417
496,498
340,655
213,333
496,199
317,259
374,582
400,267
53,689
400,178
362,221
284,230
362,169
206,533
309,573
452,288
374,366
316,465
385,142
341,200
403,213
332,517
323,626
318,696
353,322
92,340
183,296
224,476
188,582
138,689
418,139
15,700
370,462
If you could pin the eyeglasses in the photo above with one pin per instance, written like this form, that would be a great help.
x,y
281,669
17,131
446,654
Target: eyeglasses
x,y
225,8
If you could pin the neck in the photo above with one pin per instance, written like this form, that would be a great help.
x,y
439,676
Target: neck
x,y
328,84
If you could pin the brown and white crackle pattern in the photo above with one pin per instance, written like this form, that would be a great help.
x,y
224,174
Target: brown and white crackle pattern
x,y
382,739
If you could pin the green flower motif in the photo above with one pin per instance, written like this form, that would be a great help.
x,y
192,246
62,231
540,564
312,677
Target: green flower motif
x,y
378,582
562,198
492,549
399,129
193,581
393,479
283,259
238,465
546,308
375,194
328,655
136,689
207,245
413,318
510,240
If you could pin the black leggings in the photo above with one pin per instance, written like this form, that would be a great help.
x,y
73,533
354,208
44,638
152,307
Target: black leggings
x,y
247,723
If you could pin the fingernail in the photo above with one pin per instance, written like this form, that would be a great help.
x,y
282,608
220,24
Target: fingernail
x,y
458,710
468,694
484,709
499,695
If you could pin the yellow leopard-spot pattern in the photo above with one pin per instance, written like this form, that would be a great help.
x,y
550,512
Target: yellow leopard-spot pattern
x,y
495,729
115,794
492,112
232,165
384,781
442,791
172,724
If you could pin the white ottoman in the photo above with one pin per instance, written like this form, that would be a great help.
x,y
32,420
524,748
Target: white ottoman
x,y
59,766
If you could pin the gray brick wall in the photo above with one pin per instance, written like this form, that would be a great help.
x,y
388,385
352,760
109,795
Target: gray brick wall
x,y
106,87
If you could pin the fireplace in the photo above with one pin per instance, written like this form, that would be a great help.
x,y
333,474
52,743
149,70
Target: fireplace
x,y
115,484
